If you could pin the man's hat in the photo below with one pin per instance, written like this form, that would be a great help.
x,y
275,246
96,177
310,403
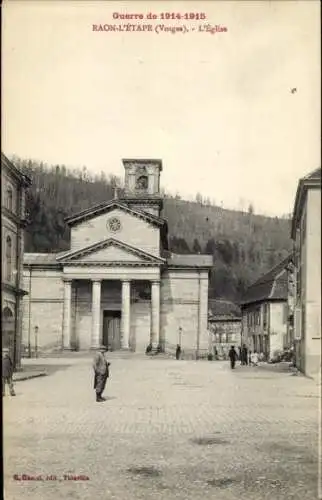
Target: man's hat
x,y
103,348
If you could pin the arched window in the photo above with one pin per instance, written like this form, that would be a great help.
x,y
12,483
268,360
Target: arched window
x,y
9,258
8,323
9,199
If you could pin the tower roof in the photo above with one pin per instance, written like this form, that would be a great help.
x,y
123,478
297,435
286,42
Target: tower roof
x,y
142,161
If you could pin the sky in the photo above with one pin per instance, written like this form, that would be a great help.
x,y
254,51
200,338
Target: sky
x,y
218,109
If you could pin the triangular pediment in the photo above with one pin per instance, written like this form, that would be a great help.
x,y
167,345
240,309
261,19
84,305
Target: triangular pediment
x,y
110,251
106,207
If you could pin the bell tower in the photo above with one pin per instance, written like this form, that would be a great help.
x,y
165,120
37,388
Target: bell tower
x,y
142,185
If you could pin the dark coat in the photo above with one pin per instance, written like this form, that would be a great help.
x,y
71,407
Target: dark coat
x,y
232,354
100,365
7,367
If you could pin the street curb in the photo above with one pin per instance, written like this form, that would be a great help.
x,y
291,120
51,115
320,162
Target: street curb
x,y
26,376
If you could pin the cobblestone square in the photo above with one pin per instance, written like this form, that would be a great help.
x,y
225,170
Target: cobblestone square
x,y
169,430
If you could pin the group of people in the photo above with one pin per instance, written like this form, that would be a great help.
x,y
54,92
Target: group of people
x,y
245,356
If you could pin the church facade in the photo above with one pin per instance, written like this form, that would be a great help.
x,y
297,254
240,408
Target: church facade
x,y
118,284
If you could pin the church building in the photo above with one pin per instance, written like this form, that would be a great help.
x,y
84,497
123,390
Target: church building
x,y
118,284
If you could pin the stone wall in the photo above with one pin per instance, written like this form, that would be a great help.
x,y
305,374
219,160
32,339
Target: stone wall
x,y
313,284
183,297
181,292
42,307
134,231
278,326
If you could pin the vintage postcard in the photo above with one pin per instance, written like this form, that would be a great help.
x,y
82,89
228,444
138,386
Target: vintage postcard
x,y
161,249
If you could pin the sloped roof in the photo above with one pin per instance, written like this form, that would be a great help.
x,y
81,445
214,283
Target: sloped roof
x,y
102,208
223,309
270,286
41,259
310,181
186,260
176,260
315,175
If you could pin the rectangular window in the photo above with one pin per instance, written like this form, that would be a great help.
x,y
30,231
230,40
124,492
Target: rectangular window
x,y
285,313
265,316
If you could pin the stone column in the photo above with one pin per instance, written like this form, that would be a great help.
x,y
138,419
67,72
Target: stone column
x,y
155,313
96,314
126,318
67,313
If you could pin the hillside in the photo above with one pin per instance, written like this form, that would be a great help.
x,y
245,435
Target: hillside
x,y
244,245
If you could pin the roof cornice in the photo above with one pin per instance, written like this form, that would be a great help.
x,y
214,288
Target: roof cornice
x,y
303,185
21,177
72,255
105,207
112,264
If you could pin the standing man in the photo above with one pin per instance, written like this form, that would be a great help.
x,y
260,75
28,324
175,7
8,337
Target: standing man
x,y
101,372
244,355
232,356
7,372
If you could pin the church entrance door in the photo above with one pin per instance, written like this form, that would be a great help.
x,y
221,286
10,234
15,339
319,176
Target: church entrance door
x,y
112,330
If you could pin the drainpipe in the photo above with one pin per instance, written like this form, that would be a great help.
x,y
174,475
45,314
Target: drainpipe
x,y
29,325
199,313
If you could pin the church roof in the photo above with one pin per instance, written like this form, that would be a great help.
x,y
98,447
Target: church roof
x,y
102,208
186,260
41,259
174,260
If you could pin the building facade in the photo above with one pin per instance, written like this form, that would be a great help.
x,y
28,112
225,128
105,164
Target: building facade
x,y
265,312
306,234
118,285
13,221
224,326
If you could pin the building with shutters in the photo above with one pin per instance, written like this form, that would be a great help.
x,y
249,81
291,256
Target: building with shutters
x,y
305,292
13,221
265,312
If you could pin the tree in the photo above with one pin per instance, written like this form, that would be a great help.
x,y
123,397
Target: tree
x,y
199,199
250,209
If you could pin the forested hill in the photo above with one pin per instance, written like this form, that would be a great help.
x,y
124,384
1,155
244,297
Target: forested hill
x,y
244,245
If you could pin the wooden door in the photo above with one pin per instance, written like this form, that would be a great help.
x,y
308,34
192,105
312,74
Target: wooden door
x,y
112,330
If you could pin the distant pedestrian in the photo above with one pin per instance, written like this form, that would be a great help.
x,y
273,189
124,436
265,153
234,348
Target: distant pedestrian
x,y
178,352
240,355
244,355
7,373
254,358
101,372
232,356
148,349
249,357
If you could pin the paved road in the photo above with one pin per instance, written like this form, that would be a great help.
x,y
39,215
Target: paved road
x,y
169,430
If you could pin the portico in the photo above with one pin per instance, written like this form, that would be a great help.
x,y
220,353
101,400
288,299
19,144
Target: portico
x,y
117,297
